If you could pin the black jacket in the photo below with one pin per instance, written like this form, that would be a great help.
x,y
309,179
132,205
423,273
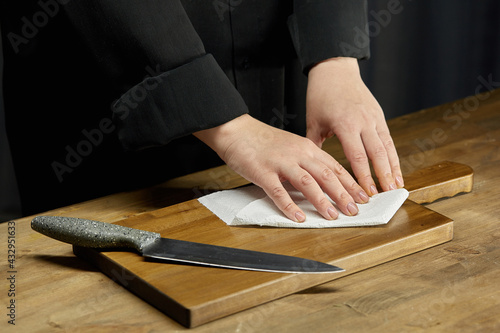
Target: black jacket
x,y
84,79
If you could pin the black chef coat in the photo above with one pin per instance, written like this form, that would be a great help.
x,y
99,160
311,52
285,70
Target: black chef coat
x,y
101,95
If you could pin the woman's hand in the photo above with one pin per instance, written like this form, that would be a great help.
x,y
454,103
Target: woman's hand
x,y
268,156
339,103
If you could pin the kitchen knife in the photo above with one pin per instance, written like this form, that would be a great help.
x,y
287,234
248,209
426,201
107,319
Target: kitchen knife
x,y
94,234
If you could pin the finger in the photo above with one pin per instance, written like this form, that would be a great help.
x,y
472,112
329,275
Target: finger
x,y
356,155
275,190
388,143
380,159
332,180
332,177
304,182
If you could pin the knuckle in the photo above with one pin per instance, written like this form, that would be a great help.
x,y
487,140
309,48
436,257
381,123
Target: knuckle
x,y
278,192
395,166
306,180
380,152
359,157
323,201
344,196
389,143
348,126
289,207
365,179
339,169
354,186
327,174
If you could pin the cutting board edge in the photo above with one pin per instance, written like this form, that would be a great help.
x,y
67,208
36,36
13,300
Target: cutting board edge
x,y
203,314
445,235
138,286
199,314
444,190
438,181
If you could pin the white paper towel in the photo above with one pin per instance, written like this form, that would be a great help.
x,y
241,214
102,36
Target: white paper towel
x,y
251,206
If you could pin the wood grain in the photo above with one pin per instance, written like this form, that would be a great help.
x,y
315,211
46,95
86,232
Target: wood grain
x,y
441,180
451,287
197,295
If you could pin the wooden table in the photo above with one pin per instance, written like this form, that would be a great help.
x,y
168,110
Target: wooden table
x,y
453,287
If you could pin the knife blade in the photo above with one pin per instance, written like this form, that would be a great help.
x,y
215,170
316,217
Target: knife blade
x,y
100,235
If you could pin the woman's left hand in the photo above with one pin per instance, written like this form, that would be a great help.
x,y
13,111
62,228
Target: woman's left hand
x,y
339,103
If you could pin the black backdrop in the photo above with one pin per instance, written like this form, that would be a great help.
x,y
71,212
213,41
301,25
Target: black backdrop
x,y
431,52
423,53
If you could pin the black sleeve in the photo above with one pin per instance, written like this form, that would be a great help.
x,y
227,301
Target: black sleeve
x,y
323,29
167,85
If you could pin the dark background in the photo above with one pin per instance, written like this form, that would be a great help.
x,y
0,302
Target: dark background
x,y
432,52
423,54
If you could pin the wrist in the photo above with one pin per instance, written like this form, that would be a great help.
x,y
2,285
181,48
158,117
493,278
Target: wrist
x,y
344,64
219,138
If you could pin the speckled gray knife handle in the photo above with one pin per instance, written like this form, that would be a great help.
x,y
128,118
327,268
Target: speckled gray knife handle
x,y
88,233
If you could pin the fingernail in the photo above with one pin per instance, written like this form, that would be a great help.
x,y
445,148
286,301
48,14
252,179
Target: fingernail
x,y
364,196
351,207
300,217
333,213
400,181
392,186
373,189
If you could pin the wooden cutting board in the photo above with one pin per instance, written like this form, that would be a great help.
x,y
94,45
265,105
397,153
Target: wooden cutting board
x,y
195,295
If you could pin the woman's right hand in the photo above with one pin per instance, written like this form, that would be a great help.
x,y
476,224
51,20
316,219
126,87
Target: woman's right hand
x,y
268,156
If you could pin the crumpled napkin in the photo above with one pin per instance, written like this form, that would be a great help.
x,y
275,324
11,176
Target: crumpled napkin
x,y
251,206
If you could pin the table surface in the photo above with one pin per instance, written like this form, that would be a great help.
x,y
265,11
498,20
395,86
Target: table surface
x,y
452,287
